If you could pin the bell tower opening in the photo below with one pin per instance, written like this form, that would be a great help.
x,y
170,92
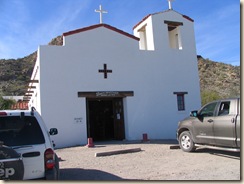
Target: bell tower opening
x,y
143,38
174,34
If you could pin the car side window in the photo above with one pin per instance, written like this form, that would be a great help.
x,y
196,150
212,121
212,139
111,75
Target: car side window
x,y
208,110
224,108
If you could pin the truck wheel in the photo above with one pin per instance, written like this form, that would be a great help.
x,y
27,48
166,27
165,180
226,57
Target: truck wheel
x,y
186,142
11,166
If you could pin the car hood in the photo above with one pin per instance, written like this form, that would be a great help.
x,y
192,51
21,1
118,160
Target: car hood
x,y
187,120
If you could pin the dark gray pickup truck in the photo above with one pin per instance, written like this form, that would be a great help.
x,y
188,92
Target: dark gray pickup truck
x,y
216,125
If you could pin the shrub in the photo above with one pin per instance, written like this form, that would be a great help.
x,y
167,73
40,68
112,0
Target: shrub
x,y
209,96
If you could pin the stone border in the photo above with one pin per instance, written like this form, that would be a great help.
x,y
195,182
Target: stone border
x,y
124,151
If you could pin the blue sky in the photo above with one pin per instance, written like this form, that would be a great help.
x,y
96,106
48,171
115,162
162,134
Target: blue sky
x,y
26,24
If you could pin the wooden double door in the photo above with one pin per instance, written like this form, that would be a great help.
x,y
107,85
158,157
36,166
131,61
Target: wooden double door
x,y
105,119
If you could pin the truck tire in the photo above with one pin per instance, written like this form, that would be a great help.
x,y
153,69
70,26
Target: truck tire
x,y
57,167
11,164
186,142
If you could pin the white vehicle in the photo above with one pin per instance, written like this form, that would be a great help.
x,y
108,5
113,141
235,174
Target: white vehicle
x,y
26,150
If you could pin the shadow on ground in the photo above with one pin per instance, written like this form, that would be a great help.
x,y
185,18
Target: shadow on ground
x,y
228,154
86,174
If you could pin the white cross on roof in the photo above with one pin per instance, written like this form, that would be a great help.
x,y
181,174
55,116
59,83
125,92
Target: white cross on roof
x,y
101,11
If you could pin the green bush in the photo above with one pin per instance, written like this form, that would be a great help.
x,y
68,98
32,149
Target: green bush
x,y
209,96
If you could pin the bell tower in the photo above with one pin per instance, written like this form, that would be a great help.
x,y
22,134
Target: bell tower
x,y
167,30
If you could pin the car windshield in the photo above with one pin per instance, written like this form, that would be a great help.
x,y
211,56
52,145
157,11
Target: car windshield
x,y
17,131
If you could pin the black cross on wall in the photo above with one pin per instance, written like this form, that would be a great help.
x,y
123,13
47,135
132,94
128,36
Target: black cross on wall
x,y
105,71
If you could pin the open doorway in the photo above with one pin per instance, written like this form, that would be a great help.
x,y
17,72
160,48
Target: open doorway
x,y
105,119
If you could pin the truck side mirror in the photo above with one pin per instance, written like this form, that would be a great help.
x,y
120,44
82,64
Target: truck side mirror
x,y
53,131
194,114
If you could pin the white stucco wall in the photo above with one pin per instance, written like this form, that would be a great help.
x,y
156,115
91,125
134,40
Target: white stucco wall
x,y
153,76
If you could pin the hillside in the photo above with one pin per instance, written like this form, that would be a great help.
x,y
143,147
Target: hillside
x,y
16,73
215,77
219,77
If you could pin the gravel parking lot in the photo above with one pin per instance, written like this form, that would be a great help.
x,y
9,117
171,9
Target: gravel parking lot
x,y
156,161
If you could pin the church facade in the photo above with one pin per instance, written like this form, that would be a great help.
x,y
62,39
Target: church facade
x,y
106,84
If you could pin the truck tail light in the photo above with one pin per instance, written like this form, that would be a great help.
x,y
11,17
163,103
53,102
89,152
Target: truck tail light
x,y
3,114
49,157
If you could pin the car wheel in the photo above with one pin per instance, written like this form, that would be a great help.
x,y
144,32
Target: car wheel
x,y
11,164
186,142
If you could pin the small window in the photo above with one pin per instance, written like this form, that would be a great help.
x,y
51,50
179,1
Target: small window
x,y
180,100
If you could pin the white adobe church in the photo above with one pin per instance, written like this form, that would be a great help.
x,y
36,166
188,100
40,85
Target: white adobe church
x,y
106,84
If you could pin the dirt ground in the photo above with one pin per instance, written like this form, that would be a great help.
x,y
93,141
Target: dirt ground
x,y
155,162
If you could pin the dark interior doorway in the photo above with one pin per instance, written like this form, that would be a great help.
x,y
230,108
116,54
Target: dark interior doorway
x,y
105,119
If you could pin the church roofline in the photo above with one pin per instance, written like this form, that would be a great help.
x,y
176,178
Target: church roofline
x,y
100,25
186,17
141,21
